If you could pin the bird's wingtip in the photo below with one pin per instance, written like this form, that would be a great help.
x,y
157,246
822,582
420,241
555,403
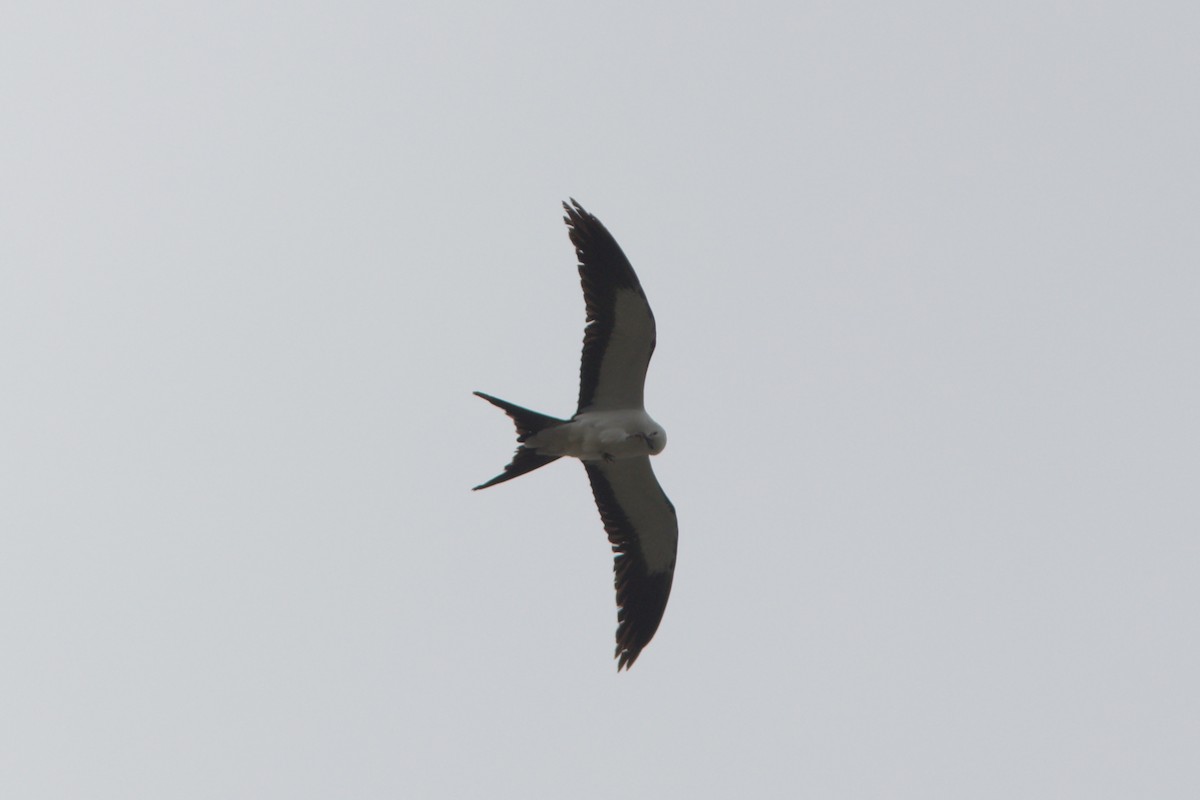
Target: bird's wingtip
x,y
574,211
625,658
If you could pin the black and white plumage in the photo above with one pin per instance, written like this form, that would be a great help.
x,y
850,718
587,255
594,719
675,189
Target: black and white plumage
x,y
612,434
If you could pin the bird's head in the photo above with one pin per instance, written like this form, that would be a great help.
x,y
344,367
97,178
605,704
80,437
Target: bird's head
x,y
656,440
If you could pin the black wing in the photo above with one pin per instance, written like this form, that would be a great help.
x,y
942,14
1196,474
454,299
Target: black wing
x,y
619,338
644,533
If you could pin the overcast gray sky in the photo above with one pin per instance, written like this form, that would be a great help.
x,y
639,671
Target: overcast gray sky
x,y
927,279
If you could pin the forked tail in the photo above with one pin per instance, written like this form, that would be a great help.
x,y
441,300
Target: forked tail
x,y
528,423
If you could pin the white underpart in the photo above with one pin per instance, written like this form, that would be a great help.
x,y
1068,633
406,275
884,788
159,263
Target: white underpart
x,y
646,507
592,435
626,354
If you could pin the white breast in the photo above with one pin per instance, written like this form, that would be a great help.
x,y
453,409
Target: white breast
x,y
594,434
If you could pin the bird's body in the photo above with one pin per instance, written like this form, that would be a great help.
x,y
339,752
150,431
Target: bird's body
x,y
602,436
611,434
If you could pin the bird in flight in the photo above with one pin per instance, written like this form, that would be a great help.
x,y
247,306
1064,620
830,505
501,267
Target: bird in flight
x,y
612,434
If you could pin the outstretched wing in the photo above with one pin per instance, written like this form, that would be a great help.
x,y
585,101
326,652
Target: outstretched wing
x,y
619,338
644,532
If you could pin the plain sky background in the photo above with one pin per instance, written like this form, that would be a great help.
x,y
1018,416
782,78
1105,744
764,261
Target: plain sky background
x,y
927,281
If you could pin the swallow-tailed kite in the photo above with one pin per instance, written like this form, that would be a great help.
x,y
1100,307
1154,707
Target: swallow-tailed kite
x,y
612,434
